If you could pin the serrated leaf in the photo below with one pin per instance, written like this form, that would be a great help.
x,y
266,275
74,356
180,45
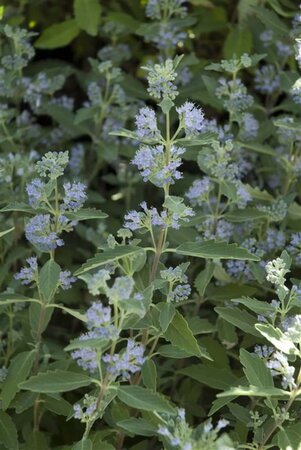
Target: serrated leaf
x,y
170,351
149,374
58,35
9,299
144,399
8,432
216,250
140,427
255,391
9,230
20,207
78,315
271,20
255,369
107,256
289,438
238,42
166,315
257,306
277,338
240,319
86,214
55,381
18,371
216,378
203,279
49,277
180,335
242,215
87,15
84,343
84,444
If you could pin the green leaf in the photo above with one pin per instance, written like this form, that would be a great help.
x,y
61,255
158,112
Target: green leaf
x,y
140,427
143,399
78,315
84,444
255,391
49,277
18,371
166,105
170,351
166,315
258,148
289,438
83,343
242,215
203,279
86,214
20,207
55,381
208,137
149,374
257,306
238,42
181,336
213,377
216,250
8,299
271,20
58,35
277,338
107,256
87,15
8,432
9,230
255,369
240,319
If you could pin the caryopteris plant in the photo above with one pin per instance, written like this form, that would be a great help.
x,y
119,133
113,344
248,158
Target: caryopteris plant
x,y
150,234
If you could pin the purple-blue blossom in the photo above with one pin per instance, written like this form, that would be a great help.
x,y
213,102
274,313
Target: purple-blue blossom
x,y
28,274
126,363
192,118
152,164
199,191
267,79
75,196
86,358
66,279
146,124
39,231
35,191
249,126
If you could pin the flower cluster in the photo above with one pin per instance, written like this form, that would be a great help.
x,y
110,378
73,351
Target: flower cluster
x,y
151,161
192,119
126,363
28,274
178,289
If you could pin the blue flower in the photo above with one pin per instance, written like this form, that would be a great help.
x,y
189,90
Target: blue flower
x,y
39,232
151,161
28,274
198,192
146,124
66,279
86,358
75,196
35,191
127,363
267,79
192,118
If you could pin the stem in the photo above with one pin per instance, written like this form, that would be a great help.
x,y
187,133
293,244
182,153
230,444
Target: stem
x,y
295,392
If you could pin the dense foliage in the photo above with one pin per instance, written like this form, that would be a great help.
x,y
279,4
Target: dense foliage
x,y
150,225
